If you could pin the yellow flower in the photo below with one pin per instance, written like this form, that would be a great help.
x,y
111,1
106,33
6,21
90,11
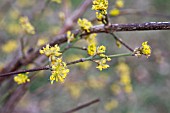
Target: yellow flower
x,y
124,72
97,82
59,71
26,25
70,36
91,49
51,51
125,80
119,3
42,41
114,12
100,5
111,105
14,28
91,39
99,16
21,78
84,24
10,46
102,64
14,14
146,49
128,88
101,49
61,16
116,89
57,1
74,89
118,44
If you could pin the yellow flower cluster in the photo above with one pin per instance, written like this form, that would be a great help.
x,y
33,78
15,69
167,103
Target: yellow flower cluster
x,y
102,64
59,71
75,89
119,3
97,82
116,10
101,49
59,68
115,88
70,36
26,25
91,39
84,24
124,72
93,50
42,41
14,28
100,4
10,46
145,49
51,52
111,105
101,7
57,1
21,78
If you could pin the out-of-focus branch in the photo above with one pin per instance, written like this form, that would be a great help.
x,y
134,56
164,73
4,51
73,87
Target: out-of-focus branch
x,y
75,15
83,106
142,13
13,99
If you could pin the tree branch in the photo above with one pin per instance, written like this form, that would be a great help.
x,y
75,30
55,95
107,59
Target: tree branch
x,y
130,27
83,106
24,71
95,29
69,63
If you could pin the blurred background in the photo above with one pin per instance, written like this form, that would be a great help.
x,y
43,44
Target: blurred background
x,y
130,85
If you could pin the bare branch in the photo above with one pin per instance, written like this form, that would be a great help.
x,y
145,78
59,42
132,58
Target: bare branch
x,y
130,27
83,106
24,71
123,43
69,63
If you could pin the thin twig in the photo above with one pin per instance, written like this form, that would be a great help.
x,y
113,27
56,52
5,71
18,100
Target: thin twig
x,y
22,47
123,43
24,71
96,58
83,106
80,48
45,6
70,63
